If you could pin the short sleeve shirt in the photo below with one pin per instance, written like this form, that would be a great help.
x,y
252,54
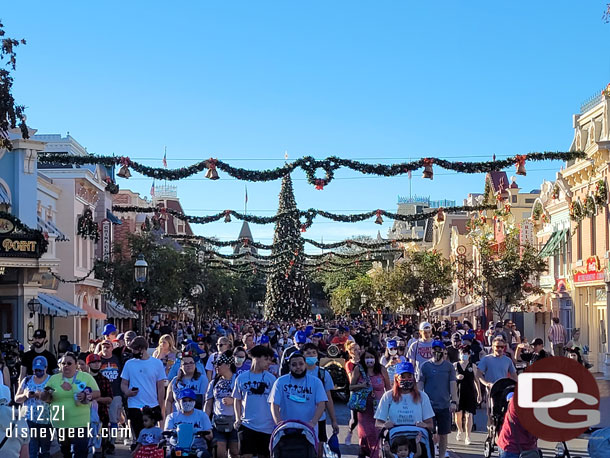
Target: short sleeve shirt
x,y
254,390
437,380
404,412
297,398
496,367
64,411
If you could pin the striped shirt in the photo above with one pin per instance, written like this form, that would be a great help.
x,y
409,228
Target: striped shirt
x,y
557,334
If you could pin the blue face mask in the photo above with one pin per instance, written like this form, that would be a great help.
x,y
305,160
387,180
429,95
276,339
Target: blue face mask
x,y
311,360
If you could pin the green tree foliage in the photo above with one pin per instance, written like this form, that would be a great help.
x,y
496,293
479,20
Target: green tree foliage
x,y
507,271
11,114
287,294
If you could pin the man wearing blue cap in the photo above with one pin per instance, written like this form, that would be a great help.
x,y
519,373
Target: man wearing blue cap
x,y
110,332
300,339
188,414
437,379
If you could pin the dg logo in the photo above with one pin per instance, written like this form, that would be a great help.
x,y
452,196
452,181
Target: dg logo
x,y
557,399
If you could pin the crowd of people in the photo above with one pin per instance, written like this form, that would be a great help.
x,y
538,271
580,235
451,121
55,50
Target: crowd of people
x,y
232,382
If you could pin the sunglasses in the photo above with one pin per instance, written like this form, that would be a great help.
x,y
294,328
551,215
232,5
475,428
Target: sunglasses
x,y
68,363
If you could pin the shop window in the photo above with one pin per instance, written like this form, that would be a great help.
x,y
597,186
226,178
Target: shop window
x,y
600,295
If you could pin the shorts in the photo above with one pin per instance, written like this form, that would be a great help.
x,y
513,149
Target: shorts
x,y
322,436
225,437
442,421
253,442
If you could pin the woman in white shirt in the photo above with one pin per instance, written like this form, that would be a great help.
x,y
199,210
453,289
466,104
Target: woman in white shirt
x,y
404,404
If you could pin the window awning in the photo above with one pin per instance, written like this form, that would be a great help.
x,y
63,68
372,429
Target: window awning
x,y
112,217
469,309
4,199
54,306
552,245
94,313
114,310
50,228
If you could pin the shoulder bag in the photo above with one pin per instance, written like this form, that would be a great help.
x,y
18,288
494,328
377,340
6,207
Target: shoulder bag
x,y
357,399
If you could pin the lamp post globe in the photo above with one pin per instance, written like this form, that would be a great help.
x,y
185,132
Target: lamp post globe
x,y
141,270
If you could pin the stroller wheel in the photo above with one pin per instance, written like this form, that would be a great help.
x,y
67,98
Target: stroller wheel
x,y
489,448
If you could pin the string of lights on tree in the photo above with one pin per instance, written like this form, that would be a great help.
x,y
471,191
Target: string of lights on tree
x,y
309,165
308,215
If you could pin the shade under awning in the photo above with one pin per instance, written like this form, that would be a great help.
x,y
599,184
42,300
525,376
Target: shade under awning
x,y
54,306
469,309
552,245
113,218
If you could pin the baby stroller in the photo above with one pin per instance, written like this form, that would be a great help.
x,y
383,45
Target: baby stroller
x,y
388,437
293,439
497,410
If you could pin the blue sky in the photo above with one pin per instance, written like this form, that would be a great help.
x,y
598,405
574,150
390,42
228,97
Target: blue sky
x,y
245,81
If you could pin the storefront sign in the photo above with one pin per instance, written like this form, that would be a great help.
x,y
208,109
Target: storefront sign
x,y
20,246
6,226
593,273
106,226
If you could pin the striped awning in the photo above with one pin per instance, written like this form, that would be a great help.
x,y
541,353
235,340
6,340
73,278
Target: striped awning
x,y
4,198
553,244
476,308
54,306
50,228
115,310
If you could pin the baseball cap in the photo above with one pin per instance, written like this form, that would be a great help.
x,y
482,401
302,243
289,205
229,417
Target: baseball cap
x,y
318,335
308,331
333,445
121,336
538,341
467,337
300,337
599,443
40,362
92,358
130,335
40,334
187,393
404,367
392,344
109,329
425,325
438,343
264,339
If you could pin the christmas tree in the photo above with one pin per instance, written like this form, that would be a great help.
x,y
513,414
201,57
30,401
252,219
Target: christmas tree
x,y
287,295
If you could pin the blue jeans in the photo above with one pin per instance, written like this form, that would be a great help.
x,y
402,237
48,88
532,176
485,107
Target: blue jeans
x,y
504,454
40,440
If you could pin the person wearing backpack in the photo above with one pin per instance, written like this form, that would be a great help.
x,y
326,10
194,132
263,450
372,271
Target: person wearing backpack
x,y
310,351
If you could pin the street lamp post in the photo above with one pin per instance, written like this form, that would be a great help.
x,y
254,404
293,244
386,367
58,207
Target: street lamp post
x,y
141,275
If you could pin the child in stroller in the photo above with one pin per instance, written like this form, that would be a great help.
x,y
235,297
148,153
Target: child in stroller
x,y
498,405
407,442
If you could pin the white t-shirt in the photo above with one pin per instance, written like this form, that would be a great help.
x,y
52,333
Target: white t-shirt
x,y
144,375
405,412
256,413
297,397
20,432
210,366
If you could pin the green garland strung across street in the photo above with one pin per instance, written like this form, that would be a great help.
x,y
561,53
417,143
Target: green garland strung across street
x,y
41,239
362,255
308,215
264,246
308,164
253,267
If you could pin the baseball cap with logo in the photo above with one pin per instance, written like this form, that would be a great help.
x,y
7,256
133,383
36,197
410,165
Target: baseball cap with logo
x,y
40,334
93,357
425,325
300,337
40,362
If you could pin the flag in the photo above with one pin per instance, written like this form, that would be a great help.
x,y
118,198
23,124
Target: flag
x,y
152,189
165,158
246,194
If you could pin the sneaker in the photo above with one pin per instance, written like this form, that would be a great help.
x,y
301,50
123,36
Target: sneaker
x,y
458,436
467,440
348,438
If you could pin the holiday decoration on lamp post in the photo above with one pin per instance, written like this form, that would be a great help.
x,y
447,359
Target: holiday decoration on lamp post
x,y
287,288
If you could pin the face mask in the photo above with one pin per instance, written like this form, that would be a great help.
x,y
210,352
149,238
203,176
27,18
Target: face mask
x,y
39,373
239,361
93,371
392,351
438,355
464,357
296,375
188,406
407,384
311,360
370,362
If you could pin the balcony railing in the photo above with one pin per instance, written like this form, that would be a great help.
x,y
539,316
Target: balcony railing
x,y
591,102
